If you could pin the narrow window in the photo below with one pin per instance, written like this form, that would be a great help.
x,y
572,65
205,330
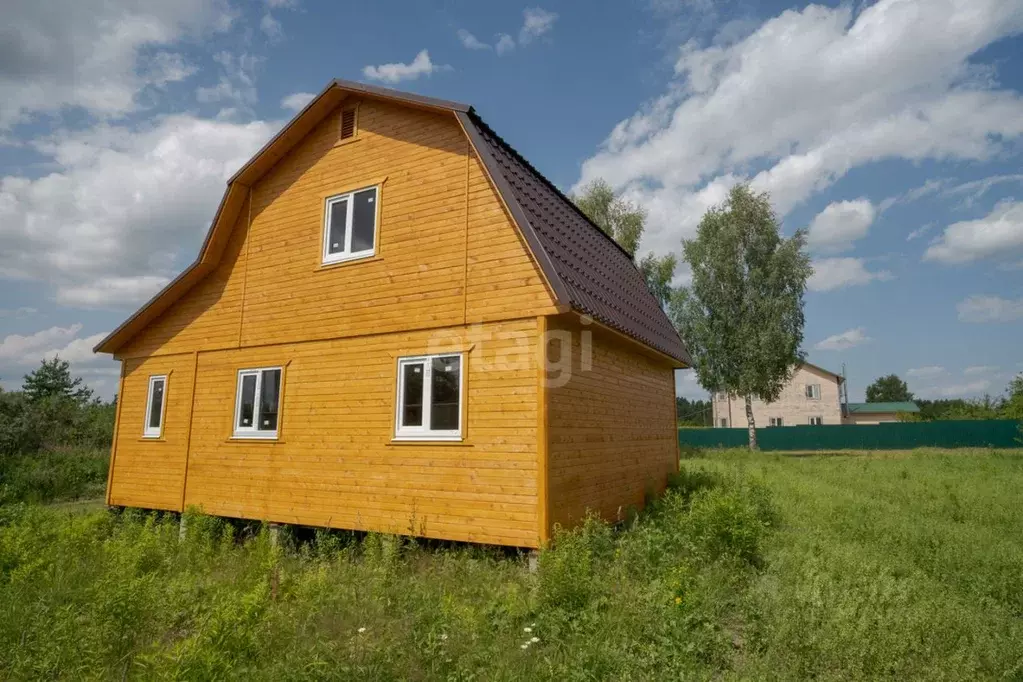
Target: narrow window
x,y
154,407
429,398
816,421
350,226
813,391
257,406
724,423
776,421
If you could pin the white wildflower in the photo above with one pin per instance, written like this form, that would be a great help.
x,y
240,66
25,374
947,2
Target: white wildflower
x,y
527,629
443,636
362,630
526,645
535,640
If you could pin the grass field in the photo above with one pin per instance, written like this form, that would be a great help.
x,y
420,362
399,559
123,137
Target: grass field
x,y
754,566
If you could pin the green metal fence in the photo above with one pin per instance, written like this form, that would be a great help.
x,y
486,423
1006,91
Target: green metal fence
x,y
991,433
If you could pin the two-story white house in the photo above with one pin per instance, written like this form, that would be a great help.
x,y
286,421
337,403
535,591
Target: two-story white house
x,y
812,397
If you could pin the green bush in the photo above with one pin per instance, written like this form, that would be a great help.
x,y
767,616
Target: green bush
x,y
64,473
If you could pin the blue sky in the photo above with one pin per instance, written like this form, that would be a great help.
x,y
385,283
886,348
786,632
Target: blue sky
x,y
892,130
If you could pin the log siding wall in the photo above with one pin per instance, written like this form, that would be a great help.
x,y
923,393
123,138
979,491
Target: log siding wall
x,y
611,427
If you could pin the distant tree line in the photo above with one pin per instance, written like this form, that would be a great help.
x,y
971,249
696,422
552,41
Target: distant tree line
x,y
891,388
693,412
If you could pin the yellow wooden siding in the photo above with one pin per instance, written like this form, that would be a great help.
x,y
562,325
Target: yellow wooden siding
x,y
417,279
334,463
150,473
611,428
503,280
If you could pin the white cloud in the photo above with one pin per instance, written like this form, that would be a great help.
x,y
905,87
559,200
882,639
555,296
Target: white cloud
x,y
844,341
836,273
271,27
810,95
92,53
919,232
470,41
925,372
19,349
397,72
105,292
976,189
505,44
20,354
980,369
839,225
983,309
297,101
282,4
967,390
122,209
237,83
536,23
998,234
76,351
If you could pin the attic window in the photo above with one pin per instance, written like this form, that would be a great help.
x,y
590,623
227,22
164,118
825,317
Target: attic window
x,y
348,123
350,225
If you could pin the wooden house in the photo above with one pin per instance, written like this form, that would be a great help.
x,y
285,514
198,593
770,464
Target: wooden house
x,y
397,324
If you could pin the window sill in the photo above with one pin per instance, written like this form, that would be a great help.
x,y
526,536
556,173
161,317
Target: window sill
x,y
348,261
254,439
458,442
152,439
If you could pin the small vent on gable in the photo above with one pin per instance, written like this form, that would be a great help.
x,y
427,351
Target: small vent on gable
x,y
347,124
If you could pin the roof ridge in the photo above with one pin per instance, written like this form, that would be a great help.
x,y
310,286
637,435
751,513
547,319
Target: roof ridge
x,y
543,178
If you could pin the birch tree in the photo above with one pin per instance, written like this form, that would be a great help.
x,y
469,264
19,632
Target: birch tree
x,y
742,316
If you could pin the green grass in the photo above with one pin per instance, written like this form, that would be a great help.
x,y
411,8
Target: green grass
x,y
752,567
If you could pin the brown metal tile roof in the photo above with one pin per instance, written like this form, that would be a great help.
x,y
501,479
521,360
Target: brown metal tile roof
x,y
587,268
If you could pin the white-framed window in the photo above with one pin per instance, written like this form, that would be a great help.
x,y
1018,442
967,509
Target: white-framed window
x,y
813,391
350,225
776,421
430,394
257,404
155,400
724,423
816,421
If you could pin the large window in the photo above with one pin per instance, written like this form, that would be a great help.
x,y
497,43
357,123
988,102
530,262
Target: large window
x,y
429,398
813,391
257,405
154,407
775,421
350,225
816,421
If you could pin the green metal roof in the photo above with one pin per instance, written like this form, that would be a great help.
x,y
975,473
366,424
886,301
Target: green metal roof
x,y
870,408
